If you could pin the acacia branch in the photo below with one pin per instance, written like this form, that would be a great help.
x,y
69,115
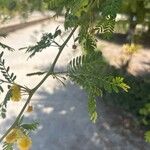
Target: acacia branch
x,y
32,92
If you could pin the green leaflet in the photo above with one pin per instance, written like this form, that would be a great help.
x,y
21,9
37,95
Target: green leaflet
x,y
111,7
47,40
3,105
7,146
5,70
88,42
92,109
147,136
106,23
79,6
30,126
10,78
105,27
3,34
90,72
6,47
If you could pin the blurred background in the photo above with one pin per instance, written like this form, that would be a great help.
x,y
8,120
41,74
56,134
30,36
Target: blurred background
x,y
62,111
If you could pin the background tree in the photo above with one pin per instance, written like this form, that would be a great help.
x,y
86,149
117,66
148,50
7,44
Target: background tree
x,y
138,12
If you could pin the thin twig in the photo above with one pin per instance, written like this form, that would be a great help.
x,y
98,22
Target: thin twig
x,y
56,43
41,73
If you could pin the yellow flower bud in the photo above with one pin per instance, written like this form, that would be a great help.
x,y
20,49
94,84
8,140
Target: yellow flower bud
x,y
24,143
15,93
30,109
12,136
131,48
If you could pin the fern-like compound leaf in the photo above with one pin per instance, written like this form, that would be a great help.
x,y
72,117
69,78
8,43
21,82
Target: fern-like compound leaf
x,y
147,136
90,72
92,109
6,47
5,70
46,41
7,146
31,126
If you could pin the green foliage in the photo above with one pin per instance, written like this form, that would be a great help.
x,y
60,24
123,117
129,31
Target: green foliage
x,y
111,7
3,105
53,4
7,146
89,71
147,136
145,113
10,78
3,34
138,11
145,110
70,20
118,82
5,70
136,101
6,47
10,8
105,27
76,7
106,23
92,109
27,128
87,41
97,15
31,126
46,41
79,7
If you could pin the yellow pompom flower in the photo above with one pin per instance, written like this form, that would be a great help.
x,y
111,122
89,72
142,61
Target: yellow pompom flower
x,y
15,93
12,136
24,143
131,48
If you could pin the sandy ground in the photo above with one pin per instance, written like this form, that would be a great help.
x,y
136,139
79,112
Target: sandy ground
x,y
140,61
62,111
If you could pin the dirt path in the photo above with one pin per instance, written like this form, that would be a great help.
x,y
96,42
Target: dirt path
x,y
140,62
62,111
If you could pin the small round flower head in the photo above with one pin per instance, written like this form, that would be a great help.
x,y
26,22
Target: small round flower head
x,y
15,93
24,143
125,47
12,136
30,109
131,48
